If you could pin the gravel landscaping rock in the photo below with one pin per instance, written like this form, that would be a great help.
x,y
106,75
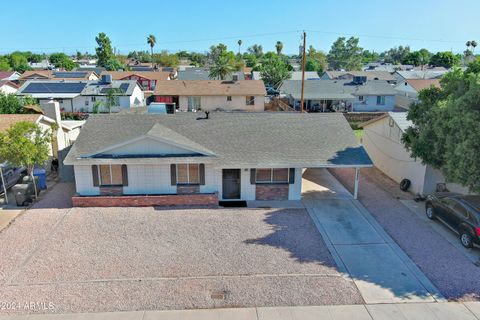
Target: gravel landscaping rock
x,y
113,259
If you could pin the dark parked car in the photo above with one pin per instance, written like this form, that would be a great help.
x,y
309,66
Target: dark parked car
x,y
459,212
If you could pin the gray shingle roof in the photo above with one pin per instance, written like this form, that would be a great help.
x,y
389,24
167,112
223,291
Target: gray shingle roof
x,y
400,119
336,89
235,139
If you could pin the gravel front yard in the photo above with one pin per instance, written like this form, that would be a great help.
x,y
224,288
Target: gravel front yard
x,y
451,272
113,259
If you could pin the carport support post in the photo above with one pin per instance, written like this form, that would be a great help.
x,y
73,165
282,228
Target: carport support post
x,y
4,186
357,178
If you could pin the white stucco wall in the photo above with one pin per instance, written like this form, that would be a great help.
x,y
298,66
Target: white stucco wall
x,y
155,179
7,89
210,103
369,103
383,144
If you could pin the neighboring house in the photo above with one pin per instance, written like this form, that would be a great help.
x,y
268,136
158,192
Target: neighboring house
x,y
391,68
9,75
192,159
407,91
204,74
294,75
66,134
146,79
211,95
8,87
42,65
350,75
382,139
401,76
97,70
81,96
334,95
58,75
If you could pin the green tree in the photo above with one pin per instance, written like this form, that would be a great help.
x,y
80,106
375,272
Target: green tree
x,y
12,104
274,70
152,41
345,54
370,56
445,131
62,61
166,59
25,144
4,64
279,47
316,61
396,55
444,59
19,62
417,58
221,68
112,99
256,50
104,50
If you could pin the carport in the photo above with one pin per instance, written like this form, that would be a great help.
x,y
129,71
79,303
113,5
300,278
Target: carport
x,y
319,183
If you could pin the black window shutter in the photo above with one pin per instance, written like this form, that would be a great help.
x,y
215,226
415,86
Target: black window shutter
x,y
201,168
95,176
253,173
124,175
291,176
173,174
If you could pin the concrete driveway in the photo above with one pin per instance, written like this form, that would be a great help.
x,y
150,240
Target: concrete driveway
x,y
381,270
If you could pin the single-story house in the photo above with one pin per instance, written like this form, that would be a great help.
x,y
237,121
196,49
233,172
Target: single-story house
x,y
146,79
401,76
407,90
211,95
204,74
382,139
8,87
389,67
66,132
186,158
321,95
294,75
81,96
58,75
350,75
9,75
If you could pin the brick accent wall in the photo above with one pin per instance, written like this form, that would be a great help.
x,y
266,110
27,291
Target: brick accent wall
x,y
188,188
111,191
210,199
271,191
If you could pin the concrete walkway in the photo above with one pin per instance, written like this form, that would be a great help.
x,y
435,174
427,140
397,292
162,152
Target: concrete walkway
x,y
409,311
382,272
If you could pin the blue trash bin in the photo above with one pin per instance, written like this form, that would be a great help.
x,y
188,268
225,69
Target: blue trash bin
x,y
42,178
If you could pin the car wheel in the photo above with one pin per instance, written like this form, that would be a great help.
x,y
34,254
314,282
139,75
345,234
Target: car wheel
x,y
466,239
430,212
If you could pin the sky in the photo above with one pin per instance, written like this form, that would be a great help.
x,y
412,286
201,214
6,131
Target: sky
x,y
66,26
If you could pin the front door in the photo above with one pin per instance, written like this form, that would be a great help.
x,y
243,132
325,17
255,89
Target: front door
x,y
231,183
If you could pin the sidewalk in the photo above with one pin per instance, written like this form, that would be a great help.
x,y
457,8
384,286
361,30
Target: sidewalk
x,y
407,311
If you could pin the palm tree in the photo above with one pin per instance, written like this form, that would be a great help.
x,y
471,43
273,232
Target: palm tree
x,y
239,45
468,44
279,47
473,43
221,69
151,41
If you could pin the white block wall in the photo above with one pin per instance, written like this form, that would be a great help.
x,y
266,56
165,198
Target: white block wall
x,y
209,103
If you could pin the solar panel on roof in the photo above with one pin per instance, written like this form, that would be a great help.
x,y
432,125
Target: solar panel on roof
x,y
69,74
124,87
54,87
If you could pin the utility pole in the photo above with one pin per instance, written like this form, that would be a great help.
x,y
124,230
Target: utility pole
x,y
303,69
